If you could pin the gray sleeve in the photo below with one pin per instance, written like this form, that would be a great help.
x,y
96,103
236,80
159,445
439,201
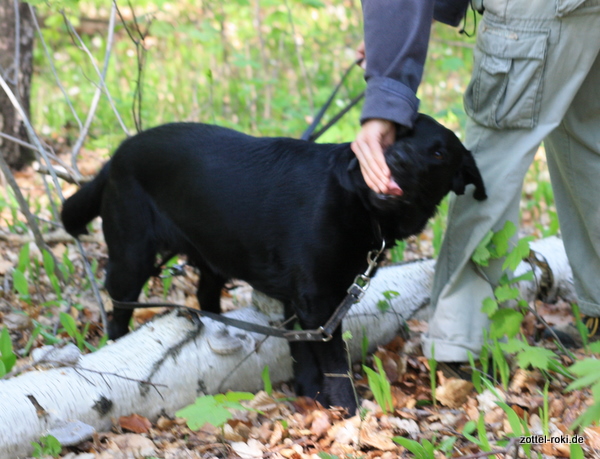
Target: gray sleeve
x,y
396,39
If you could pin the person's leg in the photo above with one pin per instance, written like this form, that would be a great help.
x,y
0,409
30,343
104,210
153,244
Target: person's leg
x,y
573,152
529,65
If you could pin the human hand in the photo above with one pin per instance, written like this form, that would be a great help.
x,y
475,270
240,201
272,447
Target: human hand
x,y
376,135
361,56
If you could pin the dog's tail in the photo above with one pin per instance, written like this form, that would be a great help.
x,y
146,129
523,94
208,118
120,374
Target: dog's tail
x,y
84,206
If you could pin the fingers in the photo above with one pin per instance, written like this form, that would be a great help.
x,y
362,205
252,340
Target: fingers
x,y
376,175
361,57
374,136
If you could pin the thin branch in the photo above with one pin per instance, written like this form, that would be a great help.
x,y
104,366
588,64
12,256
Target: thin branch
x,y
17,60
141,59
510,447
10,178
52,67
34,228
96,99
85,49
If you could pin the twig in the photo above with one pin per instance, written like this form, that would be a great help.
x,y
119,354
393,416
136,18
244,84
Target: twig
x,y
141,59
97,94
18,141
65,174
102,83
10,178
58,236
34,228
511,444
52,67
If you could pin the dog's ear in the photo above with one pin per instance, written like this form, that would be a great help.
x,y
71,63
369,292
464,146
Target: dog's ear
x,y
469,174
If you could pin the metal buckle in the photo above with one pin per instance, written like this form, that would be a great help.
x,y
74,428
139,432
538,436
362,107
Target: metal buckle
x,y
327,336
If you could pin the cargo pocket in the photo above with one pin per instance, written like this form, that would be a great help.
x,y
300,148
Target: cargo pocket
x,y
564,7
506,85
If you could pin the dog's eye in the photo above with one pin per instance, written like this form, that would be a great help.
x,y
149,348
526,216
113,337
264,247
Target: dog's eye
x,y
438,155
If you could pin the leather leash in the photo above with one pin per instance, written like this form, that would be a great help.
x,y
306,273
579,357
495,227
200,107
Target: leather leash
x,y
324,333
309,134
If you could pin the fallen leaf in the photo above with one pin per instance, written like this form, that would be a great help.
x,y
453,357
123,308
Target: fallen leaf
x,y
135,423
248,450
593,437
454,392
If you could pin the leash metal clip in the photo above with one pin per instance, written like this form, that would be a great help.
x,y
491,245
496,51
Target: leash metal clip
x,y
326,335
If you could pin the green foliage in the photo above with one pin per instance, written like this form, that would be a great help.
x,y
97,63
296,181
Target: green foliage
x,y
432,375
380,386
423,450
7,356
588,375
266,377
214,409
385,305
47,446
397,252
481,440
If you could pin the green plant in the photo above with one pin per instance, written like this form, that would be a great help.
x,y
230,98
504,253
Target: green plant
x,y
397,252
423,450
518,427
214,409
385,305
8,358
481,440
380,386
588,375
266,377
47,446
432,374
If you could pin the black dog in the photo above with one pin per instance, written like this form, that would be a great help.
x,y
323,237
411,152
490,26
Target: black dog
x,y
294,219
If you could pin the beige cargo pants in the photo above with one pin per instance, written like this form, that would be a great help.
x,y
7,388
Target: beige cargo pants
x,y
536,77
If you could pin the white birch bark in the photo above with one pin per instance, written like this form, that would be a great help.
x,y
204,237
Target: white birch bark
x,y
167,363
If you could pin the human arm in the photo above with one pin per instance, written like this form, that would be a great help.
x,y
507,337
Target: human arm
x,y
396,40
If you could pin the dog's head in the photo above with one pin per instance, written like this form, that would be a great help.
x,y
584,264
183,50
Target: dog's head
x,y
427,163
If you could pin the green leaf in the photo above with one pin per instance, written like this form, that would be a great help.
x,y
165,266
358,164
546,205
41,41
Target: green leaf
x,y
505,293
20,283
204,410
536,357
48,262
489,306
23,259
505,322
589,416
266,377
7,356
576,451
594,347
501,239
513,419
517,254
482,255
69,323
411,445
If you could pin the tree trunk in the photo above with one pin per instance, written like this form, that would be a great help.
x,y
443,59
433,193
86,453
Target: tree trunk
x,y
167,363
16,65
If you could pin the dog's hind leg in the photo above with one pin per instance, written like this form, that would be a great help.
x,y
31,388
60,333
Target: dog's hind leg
x,y
209,289
130,230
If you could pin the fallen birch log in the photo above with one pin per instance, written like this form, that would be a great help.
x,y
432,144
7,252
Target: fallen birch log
x,y
167,363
